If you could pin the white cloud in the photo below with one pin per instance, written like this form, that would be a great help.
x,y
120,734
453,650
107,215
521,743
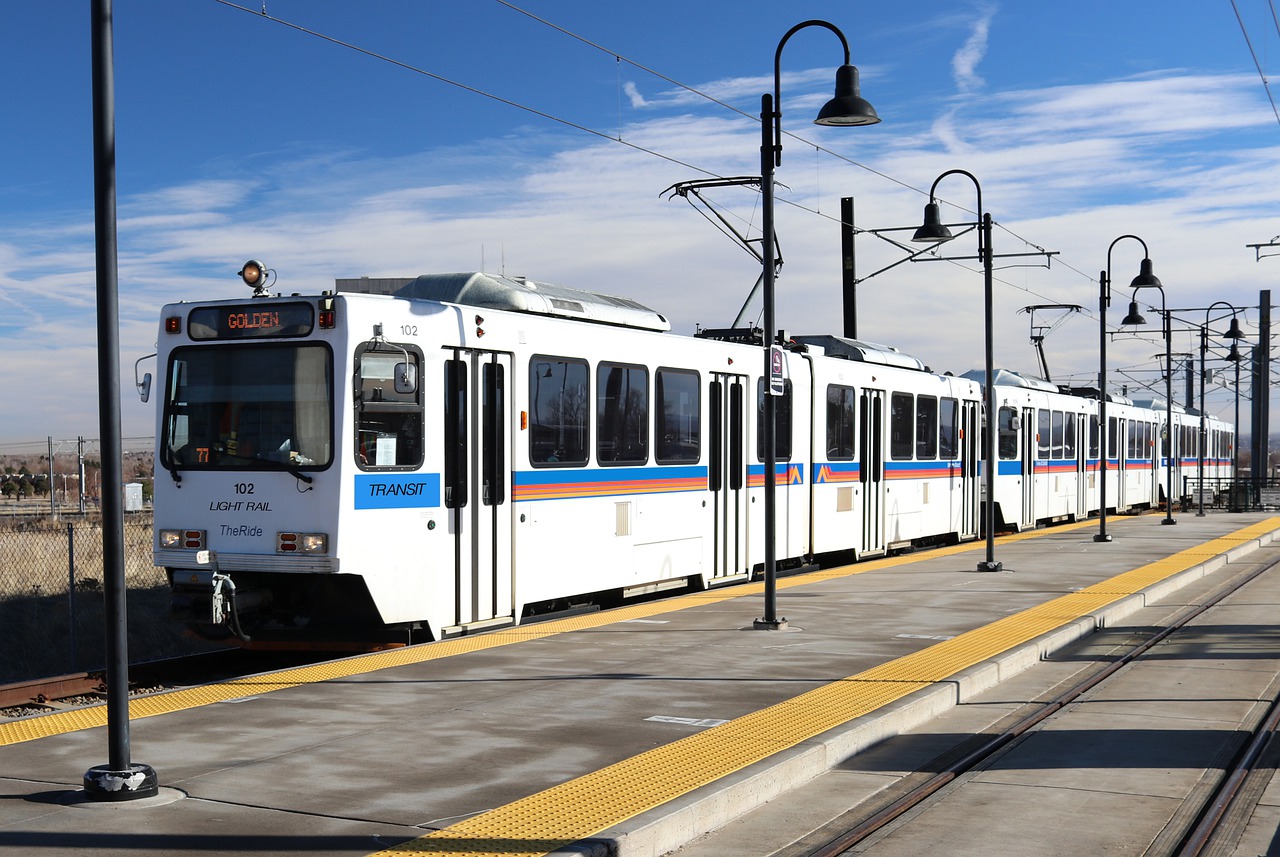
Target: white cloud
x,y
965,62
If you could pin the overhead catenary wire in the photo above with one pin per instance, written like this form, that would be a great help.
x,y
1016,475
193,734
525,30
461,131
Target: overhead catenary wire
x,y
1258,65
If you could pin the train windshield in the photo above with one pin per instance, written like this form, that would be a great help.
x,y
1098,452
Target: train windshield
x,y
249,407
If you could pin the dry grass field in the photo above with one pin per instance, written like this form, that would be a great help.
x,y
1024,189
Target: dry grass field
x,y
51,597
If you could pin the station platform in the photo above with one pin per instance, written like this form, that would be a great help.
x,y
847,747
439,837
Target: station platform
x,y
629,732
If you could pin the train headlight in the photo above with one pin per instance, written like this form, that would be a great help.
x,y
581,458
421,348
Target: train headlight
x,y
302,543
182,539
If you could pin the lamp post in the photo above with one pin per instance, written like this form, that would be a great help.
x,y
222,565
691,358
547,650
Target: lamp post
x,y
1134,318
935,231
846,108
1146,277
1234,333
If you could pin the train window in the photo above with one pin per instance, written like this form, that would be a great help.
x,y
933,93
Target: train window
x,y
678,423
1044,434
781,422
622,414
948,429
389,431
1113,443
1056,431
560,403
840,423
1069,436
1093,437
902,426
926,428
1131,447
1008,438
249,407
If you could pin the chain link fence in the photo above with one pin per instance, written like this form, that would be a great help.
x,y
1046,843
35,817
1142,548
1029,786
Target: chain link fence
x,y
52,608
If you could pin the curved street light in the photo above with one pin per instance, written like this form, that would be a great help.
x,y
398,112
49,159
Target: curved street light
x,y
846,108
1235,334
933,230
1146,277
1135,318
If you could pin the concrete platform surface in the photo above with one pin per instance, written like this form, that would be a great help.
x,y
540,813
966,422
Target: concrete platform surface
x,y
631,732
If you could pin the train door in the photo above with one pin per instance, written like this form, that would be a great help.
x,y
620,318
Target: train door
x,y
477,482
1122,449
970,458
1082,464
1030,444
871,418
726,476
1159,449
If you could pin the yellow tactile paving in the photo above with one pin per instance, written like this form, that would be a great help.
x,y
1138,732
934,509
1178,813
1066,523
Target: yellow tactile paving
x,y
585,806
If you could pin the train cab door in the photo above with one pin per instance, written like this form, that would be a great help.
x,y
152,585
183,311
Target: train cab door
x,y
970,461
871,424
727,476
477,485
1030,444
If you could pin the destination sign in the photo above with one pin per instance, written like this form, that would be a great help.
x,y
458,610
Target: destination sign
x,y
251,322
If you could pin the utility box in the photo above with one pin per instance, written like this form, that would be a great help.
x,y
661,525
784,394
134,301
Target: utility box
x,y
133,497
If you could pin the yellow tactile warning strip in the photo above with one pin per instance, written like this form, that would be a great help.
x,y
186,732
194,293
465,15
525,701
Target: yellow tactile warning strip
x,y
585,806
32,728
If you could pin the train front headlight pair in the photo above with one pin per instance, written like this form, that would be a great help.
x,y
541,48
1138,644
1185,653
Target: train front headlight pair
x,y
302,543
182,539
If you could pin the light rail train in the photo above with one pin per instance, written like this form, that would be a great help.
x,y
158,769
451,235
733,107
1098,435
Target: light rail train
x,y
474,449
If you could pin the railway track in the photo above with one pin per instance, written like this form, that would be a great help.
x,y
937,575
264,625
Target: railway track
x,y
1218,809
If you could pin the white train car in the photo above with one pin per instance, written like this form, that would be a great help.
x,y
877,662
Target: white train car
x,y
1050,444
476,449
897,461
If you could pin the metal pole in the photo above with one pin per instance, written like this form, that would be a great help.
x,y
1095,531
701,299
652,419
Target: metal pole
x,y
848,269
1168,412
71,598
767,155
53,491
1204,346
1235,447
989,467
119,779
1104,301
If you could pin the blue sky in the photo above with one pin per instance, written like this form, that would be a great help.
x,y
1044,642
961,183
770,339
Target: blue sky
x,y
241,137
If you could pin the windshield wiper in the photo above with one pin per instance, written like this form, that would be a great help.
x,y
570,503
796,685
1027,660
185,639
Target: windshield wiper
x,y
271,464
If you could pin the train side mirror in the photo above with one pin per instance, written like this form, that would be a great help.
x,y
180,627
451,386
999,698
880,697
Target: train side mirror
x,y
406,378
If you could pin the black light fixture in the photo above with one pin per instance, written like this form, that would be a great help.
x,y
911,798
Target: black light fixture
x,y
1234,332
1134,317
933,229
848,109
1146,276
